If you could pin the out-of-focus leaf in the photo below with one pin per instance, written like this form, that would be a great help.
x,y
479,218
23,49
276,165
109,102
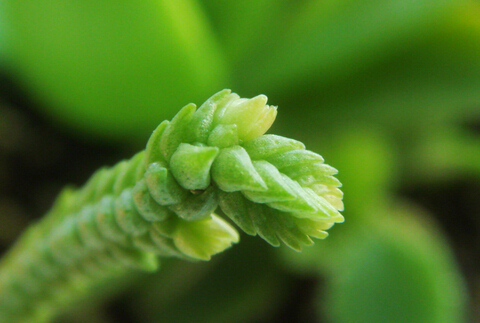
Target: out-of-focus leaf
x,y
114,69
333,39
432,78
400,270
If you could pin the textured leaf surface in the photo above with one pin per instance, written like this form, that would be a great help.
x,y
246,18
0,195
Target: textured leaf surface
x,y
161,203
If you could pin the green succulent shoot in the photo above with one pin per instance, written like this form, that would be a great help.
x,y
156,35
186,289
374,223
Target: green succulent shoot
x,y
162,203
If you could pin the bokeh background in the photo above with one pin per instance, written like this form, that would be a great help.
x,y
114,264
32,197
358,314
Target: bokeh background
x,y
387,91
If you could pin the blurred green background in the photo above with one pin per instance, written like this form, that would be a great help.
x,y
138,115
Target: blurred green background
x,y
388,92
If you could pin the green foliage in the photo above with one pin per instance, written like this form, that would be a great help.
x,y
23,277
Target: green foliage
x,y
161,203
102,58
387,90
404,271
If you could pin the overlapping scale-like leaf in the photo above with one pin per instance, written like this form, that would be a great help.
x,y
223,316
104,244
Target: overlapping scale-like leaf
x,y
162,202
268,185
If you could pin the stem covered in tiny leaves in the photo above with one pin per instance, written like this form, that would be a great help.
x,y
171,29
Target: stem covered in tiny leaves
x,y
162,203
